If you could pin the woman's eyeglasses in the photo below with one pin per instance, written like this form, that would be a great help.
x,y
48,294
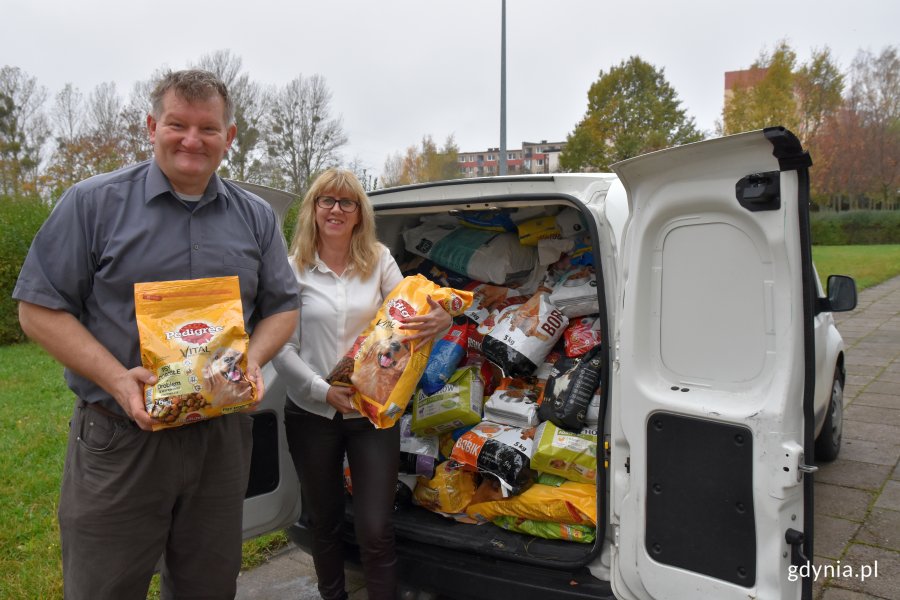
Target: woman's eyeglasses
x,y
346,205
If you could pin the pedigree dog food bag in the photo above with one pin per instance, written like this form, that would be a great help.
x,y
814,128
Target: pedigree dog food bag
x,y
192,338
386,367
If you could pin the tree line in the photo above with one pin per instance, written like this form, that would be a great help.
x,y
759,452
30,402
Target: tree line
x,y
850,122
285,135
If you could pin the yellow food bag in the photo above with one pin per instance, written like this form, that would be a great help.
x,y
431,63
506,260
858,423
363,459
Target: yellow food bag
x,y
192,338
386,367
572,503
534,230
448,492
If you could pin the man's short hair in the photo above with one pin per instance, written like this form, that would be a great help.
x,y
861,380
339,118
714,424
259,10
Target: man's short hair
x,y
193,85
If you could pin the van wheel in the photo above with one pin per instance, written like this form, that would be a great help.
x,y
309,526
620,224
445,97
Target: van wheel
x,y
828,444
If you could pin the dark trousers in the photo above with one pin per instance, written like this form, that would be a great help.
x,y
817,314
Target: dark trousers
x,y
130,496
317,446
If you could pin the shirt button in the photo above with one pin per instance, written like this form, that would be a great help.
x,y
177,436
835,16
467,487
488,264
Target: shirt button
x,y
196,246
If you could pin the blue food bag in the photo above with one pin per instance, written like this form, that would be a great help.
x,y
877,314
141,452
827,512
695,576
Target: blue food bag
x,y
445,357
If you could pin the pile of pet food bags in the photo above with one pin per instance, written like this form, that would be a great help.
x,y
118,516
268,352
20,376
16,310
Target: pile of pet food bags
x,y
502,426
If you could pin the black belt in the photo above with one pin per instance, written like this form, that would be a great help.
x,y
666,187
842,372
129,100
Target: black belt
x,y
97,407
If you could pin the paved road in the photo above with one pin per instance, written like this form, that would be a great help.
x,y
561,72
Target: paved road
x,y
857,497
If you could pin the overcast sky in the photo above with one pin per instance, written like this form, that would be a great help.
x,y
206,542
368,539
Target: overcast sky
x,y
399,69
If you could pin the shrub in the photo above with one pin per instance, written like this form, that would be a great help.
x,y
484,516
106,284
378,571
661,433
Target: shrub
x,y
20,218
855,228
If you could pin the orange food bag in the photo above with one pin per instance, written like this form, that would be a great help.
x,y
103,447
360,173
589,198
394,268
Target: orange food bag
x,y
192,338
386,367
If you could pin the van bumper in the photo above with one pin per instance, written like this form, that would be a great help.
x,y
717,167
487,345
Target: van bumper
x,y
451,574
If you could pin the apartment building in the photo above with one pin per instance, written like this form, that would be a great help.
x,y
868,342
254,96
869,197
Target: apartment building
x,y
531,158
745,78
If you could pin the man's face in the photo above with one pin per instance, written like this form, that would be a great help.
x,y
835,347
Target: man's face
x,y
190,140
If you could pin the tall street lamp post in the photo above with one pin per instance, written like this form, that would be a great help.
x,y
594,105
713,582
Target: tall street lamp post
x,y
503,91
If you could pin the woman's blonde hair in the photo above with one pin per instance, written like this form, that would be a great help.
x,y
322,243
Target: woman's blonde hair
x,y
363,243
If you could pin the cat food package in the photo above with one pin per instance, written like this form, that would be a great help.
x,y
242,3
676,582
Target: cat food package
x,y
455,405
582,334
523,335
192,338
386,367
570,389
563,453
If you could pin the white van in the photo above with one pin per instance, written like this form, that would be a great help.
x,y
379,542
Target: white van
x,y
721,365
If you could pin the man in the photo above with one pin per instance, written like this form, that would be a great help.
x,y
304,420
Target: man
x,y
130,495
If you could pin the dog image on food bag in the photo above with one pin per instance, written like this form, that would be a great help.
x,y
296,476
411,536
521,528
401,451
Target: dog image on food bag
x,y
387,367
193,339
527,318
381,365
224,379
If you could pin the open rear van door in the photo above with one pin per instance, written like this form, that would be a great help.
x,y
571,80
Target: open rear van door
x,y
713,367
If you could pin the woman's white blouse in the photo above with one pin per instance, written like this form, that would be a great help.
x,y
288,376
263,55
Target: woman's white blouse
x,y
334,311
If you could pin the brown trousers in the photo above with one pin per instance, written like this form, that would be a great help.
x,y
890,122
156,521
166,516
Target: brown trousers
x,y
129,497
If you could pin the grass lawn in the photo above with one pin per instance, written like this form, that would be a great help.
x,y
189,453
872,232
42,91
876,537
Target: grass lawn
x,y
869,265
32,447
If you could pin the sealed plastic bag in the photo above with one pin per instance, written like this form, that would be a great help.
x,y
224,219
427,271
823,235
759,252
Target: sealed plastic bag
x,y
499,450
192,338
524,335
481,255
575,294
584,534
427,445
447,493
570,390
447,353
582,334
573,503
514,402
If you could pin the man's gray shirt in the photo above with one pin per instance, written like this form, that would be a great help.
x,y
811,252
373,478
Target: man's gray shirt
x,y
110,231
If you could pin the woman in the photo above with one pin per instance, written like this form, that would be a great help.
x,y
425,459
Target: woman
x,y
344,274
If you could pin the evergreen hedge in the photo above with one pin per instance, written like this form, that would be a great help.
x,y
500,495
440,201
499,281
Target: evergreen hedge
x,y
855,228
20,219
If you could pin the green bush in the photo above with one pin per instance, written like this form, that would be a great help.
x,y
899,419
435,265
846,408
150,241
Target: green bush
x,y
855,228
20,218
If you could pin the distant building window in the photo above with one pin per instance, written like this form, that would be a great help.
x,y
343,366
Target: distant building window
x,y
540,162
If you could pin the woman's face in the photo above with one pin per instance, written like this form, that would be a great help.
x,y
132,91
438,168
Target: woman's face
x,y
335,223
